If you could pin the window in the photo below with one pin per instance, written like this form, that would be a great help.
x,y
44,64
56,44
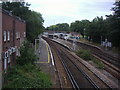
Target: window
x,y
19,35
5,63
8,36
9,59
24,34
16,35
17,52
4,35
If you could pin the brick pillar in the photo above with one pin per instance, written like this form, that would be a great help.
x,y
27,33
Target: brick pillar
x,y
0,47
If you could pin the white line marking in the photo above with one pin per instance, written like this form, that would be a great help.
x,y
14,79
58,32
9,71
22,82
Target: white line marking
x,y
51,56
50,52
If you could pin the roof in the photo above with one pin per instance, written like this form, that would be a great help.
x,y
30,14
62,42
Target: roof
x,y
10,14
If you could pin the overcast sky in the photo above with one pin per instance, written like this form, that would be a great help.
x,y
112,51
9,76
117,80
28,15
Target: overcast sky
x,y
67,11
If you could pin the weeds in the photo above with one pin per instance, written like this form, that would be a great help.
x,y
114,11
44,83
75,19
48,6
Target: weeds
x,y
86,55
25,74
28,76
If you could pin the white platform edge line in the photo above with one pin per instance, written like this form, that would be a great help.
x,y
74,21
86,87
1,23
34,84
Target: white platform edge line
x,y
50,52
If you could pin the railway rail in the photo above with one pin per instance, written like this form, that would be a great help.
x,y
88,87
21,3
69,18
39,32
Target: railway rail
x,y
112,64
99,52
75,69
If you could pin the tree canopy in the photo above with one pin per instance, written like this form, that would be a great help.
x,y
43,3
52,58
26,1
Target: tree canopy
x,y
98,28
59,27
34,20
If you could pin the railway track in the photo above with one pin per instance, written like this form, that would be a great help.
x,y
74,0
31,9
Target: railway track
x,y
75,70
99,52
112,64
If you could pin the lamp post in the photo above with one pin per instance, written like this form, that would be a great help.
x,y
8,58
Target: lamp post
x,y
106,43
101,40
84,32
74,45
36,44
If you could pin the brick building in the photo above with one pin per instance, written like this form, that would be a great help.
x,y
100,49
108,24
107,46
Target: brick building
x,y
13,34
0,49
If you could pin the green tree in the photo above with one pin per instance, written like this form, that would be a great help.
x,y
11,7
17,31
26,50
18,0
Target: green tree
x,y
63,27
113,22
34,20
34,25
27,54
59,27
96,29
79,26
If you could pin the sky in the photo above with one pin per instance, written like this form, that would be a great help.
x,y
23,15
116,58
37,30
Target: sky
x,y
68,11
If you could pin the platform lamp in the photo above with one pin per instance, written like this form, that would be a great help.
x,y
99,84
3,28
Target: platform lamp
x,y
84,32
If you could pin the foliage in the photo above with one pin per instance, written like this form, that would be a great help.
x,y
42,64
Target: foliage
x,y
99,63
34,20
116,9
59,27
79,26
100,28
85,54
114,25
34,25
27,76
27,54
96,29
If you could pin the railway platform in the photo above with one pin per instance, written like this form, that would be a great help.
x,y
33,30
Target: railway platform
x,y
106,50
45,61
71,46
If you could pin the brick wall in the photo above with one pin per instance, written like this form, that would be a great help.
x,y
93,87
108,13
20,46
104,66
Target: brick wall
x,y
13,28
0,49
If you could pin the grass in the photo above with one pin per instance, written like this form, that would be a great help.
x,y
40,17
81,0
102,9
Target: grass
x,y
86,41
27,76
37,46
113,49
116,49
86,55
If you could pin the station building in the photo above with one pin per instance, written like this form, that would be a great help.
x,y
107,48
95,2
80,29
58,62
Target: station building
x,y
12,34
0,49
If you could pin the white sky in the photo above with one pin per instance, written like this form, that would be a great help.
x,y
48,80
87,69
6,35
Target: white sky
x,y
67,11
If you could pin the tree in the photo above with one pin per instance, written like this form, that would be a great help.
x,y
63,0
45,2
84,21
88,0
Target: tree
x,y
96,29
116,9
34,20
27,54
34,25
79,26
63,27
59,27
114,25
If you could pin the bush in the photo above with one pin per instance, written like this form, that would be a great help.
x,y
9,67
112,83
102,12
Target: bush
x,y
99,64
85,54
27,54
27,76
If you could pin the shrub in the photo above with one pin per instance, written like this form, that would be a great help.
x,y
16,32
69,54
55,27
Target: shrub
x,y
99,64
27,54
27,76
85,54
